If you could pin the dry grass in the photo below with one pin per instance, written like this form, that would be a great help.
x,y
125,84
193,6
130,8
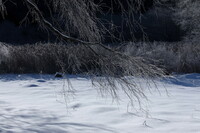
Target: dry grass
x,y
178,57
51,58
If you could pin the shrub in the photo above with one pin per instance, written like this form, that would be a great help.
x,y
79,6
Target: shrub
x,y
50,58
173,57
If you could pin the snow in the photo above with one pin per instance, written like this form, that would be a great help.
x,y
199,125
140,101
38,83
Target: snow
x,y
35,104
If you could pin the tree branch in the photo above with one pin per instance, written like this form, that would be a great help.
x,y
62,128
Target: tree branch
x,y
55,30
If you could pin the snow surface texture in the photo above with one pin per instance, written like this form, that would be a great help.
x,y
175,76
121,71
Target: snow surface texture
x,y
34,104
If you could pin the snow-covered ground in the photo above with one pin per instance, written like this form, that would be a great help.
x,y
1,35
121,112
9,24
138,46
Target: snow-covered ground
x,y
35,104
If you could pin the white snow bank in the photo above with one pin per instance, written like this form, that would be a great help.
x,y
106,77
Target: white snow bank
x,y
34,104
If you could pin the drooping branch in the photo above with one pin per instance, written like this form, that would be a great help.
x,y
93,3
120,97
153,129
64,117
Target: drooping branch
x,y
113,65
138,61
